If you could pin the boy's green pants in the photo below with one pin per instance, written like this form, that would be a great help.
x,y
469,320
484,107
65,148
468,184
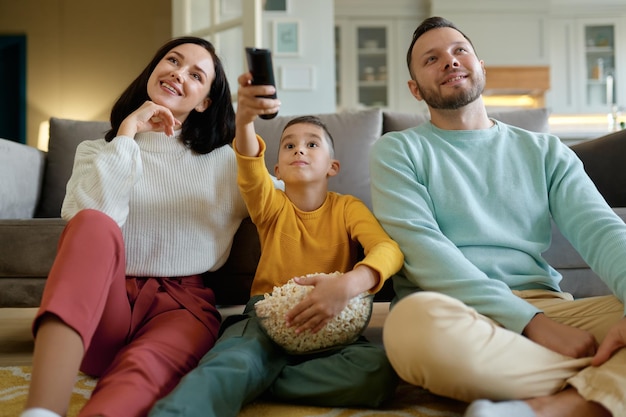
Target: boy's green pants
x,y
245,363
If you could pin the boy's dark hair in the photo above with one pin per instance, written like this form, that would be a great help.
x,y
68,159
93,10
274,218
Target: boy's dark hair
x,y
314,120
434,22
201,132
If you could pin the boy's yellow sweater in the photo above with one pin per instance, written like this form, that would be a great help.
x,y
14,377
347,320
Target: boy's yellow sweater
x,y
296,243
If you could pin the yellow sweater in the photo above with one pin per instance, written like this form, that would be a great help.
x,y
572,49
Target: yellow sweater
x,y
296,243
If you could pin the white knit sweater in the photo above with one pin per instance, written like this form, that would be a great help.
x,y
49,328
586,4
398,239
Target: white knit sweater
x,y
178,210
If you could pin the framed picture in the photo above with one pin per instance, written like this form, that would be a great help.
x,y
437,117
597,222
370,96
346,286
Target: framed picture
x,y
276,6
286,38
297,77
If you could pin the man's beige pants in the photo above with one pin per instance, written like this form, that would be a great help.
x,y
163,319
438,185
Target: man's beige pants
x,y
437,342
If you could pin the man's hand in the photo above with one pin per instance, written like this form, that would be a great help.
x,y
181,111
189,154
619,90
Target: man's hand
x,y
561,338
615,339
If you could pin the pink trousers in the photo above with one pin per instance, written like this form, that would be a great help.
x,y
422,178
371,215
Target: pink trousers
x,y
141,334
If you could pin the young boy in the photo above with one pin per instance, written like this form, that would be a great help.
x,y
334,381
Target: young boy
x,y
305,229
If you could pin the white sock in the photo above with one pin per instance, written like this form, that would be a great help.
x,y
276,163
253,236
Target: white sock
x,y
486,408
38,412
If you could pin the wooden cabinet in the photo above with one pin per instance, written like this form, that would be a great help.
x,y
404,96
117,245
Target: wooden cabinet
x,y
363,59
371,64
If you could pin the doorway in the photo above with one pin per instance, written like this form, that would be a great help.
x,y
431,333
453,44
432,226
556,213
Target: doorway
x,y
13,92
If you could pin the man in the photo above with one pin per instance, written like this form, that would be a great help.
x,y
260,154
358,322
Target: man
x,y
469,200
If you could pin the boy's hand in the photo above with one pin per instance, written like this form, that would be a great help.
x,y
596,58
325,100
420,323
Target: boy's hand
x,y
329,297
249,106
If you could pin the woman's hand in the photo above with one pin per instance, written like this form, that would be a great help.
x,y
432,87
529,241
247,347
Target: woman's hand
x,y
150,117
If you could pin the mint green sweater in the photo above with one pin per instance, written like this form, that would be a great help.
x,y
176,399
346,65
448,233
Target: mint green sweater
x,y
471,211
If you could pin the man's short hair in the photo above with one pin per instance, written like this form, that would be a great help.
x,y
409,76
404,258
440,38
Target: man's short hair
x,y
434,22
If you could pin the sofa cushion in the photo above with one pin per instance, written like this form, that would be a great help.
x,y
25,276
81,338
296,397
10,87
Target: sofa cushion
x,y
535,120
353,134
21,171
65,135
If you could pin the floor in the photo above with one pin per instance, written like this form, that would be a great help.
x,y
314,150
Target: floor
x,y
16,341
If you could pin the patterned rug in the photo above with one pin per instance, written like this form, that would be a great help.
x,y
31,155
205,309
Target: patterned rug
x,y
408,402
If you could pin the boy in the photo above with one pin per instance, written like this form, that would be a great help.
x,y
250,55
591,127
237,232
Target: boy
x,y
305,229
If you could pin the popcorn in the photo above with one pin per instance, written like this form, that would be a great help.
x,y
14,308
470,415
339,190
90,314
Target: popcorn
x,y
342,329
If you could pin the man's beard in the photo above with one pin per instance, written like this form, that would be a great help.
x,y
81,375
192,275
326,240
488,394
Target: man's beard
x,y
460,99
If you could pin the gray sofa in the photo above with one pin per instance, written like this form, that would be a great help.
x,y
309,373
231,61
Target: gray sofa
x,y
33,185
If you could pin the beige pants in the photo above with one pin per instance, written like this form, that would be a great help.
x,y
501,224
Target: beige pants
x,y
437,342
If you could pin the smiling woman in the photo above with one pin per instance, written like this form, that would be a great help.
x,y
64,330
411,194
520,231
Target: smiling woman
x,y
145,304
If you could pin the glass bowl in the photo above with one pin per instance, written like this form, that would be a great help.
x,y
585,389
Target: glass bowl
x,y
343,329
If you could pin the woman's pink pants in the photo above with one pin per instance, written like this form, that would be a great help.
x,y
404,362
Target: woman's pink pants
x,y
140,334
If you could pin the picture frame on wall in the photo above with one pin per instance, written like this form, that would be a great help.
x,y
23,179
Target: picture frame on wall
x,y
276,6
297,77
286,38
233,7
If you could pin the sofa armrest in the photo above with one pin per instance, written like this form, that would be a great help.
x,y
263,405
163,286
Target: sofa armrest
x,y
27,251
28,247
21,173
603,159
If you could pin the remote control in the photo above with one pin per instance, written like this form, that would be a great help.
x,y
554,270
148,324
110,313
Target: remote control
x,y
260,65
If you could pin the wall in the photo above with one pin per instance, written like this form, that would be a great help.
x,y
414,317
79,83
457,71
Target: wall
x,y
316,53
81,54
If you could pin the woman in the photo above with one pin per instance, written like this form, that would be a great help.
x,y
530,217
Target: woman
x,y
149,208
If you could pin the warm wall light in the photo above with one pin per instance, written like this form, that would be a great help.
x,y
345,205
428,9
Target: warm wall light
x,y
44,136
510,101
586,122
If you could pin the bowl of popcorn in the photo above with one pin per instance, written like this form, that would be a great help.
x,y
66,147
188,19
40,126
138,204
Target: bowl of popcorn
x,y
343,329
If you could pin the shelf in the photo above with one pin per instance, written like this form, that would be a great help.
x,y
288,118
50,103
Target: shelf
x,y
373,84
372,51
599,49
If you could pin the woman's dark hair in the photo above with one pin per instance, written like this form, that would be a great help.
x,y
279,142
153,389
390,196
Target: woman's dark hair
x,y
314,120
434,22
201,132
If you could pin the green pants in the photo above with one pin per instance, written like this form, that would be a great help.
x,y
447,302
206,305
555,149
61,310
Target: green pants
x,y
245,363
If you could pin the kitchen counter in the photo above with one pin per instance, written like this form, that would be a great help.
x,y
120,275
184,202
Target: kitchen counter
x,y
577,128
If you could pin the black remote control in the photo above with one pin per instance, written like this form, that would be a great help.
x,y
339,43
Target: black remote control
x,y
260,65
